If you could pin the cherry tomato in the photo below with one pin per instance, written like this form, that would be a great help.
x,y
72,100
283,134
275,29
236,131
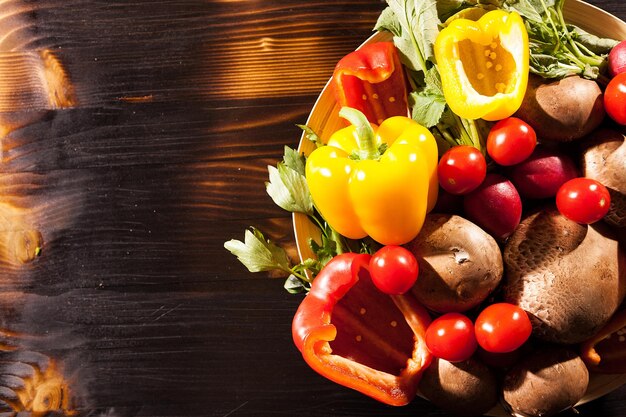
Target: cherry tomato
x,y
511,141
394,269
461,169
583,200
502,327
451,337
615,98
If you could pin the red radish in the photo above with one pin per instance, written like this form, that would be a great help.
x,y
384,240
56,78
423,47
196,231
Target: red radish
x,y
495,206
617,59
541,175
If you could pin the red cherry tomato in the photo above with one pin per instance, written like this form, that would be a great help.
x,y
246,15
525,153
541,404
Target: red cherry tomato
x,y
394,269
583,200
615,98
461,169
511,141
502,327
451,337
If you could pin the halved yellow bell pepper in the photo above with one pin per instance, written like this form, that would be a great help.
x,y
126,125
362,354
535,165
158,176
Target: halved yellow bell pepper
x,y
484,65
361,191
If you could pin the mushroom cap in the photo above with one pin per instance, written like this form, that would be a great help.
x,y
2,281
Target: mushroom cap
x,y
467,388
460,264
604,160
569,277
545,383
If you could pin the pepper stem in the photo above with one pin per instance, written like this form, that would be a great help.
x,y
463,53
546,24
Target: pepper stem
x,y
364,132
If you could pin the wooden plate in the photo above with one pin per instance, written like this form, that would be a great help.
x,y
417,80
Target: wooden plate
x,y
324,120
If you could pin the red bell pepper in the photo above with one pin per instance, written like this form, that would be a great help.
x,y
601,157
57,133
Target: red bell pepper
x,y
606,351
353,334
372,80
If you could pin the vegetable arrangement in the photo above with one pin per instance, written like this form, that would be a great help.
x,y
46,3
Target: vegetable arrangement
x,y
472,212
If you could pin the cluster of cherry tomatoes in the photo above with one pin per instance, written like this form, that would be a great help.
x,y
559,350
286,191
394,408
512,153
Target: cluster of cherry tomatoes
x,y
499,328
511,141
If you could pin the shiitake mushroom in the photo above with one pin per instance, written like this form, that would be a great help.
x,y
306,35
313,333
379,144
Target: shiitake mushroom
x,y
562,110
460,264
467,388
551,380
604,160
570,278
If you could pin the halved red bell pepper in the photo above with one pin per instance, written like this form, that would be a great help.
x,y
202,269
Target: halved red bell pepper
x,y
372,80
353,334
606,351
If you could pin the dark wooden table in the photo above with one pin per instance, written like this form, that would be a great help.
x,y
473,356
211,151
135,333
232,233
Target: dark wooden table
x,y
135,141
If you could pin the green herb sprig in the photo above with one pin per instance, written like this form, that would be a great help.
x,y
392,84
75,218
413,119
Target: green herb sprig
x,y
557,49
288,188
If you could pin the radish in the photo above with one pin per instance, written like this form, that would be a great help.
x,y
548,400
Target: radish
x,y
617,59
541,175
495,206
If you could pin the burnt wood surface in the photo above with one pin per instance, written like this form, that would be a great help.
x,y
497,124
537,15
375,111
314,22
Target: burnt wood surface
x,y
135,140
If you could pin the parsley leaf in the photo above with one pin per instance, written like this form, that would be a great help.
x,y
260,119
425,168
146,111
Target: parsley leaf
x,y
559,49
311,135
389,22
415,29
428,103
294,160
287,184
257,253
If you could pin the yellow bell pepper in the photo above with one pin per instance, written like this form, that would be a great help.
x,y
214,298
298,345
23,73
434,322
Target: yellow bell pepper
x,y
361,191
484,65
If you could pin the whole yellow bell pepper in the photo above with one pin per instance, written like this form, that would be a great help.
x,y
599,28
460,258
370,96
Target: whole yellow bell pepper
x,y
361,191
484,65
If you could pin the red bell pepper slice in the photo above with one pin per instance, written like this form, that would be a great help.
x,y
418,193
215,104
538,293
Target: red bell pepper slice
x,y
372,80
353,334
606,351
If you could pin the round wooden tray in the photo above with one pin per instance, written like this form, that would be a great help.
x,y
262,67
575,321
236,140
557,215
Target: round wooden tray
x,y
324,120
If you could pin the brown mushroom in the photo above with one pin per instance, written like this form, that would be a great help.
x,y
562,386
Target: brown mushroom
x,y
467,388
604,160
569,277
545,383
460,264
562,110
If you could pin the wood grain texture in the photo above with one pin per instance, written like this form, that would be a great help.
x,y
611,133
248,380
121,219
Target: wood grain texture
x,y
177,108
